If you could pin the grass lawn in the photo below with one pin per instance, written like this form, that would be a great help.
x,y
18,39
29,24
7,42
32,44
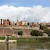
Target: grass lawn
x,y
2,38
28,40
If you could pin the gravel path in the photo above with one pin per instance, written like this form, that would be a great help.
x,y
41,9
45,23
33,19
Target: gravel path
x,y
9,40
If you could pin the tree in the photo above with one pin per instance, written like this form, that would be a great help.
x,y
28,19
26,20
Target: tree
x,y
36,33
20,33
43,27
47,31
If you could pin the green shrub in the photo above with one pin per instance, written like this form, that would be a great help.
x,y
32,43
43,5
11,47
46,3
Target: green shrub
x,y
36,33
20,32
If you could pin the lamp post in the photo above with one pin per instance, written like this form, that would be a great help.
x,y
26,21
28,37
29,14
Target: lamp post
x,y
7,42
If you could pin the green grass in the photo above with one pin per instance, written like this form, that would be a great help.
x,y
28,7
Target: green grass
x,y
33,40
12,38
28,40
2,38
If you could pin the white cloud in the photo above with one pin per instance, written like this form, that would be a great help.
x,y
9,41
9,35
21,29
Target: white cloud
x,y
35,13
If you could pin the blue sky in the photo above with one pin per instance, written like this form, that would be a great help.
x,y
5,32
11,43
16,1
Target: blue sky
x,y
25,10
26,3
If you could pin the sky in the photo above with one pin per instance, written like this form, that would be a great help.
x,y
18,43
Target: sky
x,y
25,10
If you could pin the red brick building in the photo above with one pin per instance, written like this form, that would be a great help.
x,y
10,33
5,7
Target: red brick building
x,y
5,22
19,23
33,24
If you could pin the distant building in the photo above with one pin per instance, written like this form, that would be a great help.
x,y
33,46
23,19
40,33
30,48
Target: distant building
x,y
43,23
33,24
6,22
24,23
29,23
48,25
19,23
